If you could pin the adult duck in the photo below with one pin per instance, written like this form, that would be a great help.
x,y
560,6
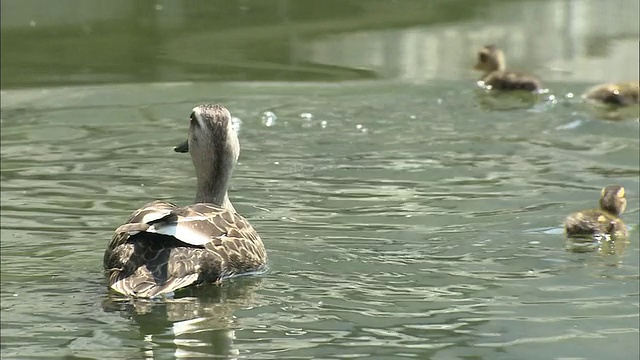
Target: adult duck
x,y
164,247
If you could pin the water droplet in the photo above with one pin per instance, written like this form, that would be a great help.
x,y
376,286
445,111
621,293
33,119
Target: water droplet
x,y
439,101
236,123
32,23
569,95
306,116
323,124
412,116
269,118
359,126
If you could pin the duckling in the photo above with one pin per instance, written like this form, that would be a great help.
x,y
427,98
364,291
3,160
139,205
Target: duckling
x,y
602,221
616,94
491,61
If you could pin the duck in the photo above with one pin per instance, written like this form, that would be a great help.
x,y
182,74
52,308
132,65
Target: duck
x,y
163,247
614,94
603,221
491,61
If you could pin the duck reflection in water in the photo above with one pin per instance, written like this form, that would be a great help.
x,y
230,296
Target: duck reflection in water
x,y
198,324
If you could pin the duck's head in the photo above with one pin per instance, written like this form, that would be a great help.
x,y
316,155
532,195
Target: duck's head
x,y
214,149
613,200
627,93
210,131
490,58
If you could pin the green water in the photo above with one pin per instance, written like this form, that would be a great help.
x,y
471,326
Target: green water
x,y
402,218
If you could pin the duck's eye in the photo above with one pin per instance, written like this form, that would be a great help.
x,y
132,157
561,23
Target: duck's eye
x,y
483,57
193,118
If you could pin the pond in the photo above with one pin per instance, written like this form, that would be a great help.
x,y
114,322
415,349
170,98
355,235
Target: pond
x,y
402,217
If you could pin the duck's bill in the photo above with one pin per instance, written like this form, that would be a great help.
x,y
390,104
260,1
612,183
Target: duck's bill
x,y
183,147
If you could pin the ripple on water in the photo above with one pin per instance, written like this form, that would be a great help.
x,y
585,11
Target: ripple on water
x,y
430,235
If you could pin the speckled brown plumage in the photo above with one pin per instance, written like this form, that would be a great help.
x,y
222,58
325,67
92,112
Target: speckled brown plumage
x,y
163,247
145,264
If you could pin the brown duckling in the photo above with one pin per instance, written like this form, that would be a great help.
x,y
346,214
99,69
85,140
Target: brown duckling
x,y
602,221
616,94
491,61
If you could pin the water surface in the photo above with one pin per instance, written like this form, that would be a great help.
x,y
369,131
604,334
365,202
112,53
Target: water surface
x,y
403,217
396,226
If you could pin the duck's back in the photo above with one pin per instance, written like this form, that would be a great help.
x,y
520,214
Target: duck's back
x,y
509,80
594,222
163,248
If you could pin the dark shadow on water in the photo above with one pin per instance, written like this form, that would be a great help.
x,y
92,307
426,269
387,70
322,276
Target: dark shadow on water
x,y
197,323
507,100
212,40
610,249
614,113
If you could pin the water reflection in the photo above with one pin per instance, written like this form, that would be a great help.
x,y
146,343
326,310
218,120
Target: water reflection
x,y
612,250
492,100
570,40
574,40
199,323
614,112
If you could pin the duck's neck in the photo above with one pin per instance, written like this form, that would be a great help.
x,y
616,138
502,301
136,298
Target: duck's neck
x,y
486,75
213,188
611,209
498,68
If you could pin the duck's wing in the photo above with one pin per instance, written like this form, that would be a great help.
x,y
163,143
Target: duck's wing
x,y
146,215
217,221
236,243
196,224
197,243
139,221
225,235
153,279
